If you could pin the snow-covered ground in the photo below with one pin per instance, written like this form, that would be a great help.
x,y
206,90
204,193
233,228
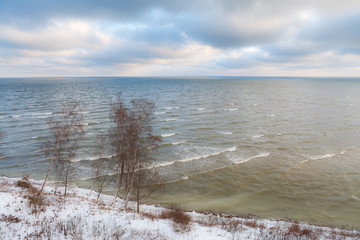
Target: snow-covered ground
x,y
80,216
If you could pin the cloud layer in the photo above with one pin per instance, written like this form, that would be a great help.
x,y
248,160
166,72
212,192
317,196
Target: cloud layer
x,y
204,37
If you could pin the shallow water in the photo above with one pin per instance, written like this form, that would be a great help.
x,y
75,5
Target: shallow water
x,y
268,146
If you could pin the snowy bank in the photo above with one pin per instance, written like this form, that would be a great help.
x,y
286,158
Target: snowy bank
x,y
80,216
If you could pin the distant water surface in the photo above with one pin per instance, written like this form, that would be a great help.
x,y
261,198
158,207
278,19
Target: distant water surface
x,y
274,147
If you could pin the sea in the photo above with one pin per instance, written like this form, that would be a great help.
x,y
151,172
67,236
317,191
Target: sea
x,y
271,147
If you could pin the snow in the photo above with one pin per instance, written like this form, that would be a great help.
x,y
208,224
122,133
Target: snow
x,y
80,216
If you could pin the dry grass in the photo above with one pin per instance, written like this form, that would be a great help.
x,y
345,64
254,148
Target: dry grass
x,y
36,201
252,224
9,219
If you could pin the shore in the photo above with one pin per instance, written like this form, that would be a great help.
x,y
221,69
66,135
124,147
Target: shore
x,y
81,216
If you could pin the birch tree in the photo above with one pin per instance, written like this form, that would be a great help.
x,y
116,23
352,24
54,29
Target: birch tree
x,y
66,129
133,141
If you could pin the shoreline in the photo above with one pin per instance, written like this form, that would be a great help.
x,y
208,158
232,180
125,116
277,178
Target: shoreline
x,y
80,215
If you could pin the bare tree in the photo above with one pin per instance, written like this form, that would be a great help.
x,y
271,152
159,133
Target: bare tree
x,y
1,136
66,129
132,141
101,166
117,133
146,182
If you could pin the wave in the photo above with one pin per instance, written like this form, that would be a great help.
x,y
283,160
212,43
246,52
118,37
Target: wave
x,y
170,119
328,155
227,133
194,158
158,113
313,158
37,137
92,158
167,135
23,164
15,116
231,109
355,198
41,114
177,143
346,149
253,157
200,109
257,136
170,108
93,123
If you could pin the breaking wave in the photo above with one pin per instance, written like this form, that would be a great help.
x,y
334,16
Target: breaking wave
x,y
167,135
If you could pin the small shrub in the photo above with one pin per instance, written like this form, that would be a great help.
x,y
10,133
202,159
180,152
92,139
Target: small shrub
x,y
180,217
24,184
294,229
37,202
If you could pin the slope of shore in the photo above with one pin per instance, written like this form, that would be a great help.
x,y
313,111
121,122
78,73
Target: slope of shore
x,y
23,215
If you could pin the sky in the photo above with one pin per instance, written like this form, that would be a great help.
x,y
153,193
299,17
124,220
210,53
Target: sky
x,y
43,38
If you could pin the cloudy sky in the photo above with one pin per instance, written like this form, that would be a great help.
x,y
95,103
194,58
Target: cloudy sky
x,y
179,38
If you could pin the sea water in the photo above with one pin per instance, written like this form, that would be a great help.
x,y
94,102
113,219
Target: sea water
x,y
273,147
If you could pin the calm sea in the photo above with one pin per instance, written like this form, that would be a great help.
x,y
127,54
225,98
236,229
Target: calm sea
x,y
274,147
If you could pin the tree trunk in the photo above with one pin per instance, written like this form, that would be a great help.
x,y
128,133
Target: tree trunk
x,y
48,171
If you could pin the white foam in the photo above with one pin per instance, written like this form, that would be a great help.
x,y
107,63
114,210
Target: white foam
x,y
15,116
42,117
170,108
91,158
41,114
257,136
167,135
226,133
177,143
345,150
328,155
354,197
37,137
231,109
195,158
170,119
207,155
253,157
201,109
